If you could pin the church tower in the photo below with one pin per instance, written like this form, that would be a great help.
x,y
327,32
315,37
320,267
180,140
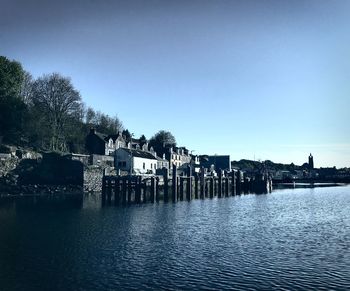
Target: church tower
x,y
311,162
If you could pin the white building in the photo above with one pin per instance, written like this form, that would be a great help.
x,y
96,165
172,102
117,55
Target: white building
x,y
135,161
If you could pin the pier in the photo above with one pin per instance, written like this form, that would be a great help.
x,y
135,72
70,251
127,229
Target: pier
x,y
122,190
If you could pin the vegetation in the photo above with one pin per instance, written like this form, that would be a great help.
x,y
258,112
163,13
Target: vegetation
x,y
160,139
48,113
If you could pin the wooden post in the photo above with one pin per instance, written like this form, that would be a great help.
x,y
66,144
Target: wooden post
x,y
116,191
202,182
220,184
129,189
157,190
189,189
138,189
144,188
189,184
181,188
233,183
245,183
174,190
226,187
103,190
211,187
153,189
239,182
124,186
166,187
196,186
109,191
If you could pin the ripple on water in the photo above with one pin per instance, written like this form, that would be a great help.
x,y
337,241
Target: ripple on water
x,y
288,240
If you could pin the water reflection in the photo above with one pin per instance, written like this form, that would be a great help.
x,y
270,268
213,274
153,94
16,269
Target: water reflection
x,y
290,239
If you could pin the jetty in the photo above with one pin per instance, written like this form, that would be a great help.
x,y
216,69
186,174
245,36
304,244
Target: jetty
x,y
134,189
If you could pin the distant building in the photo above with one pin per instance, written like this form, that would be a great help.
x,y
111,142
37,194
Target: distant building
x,y
217,162
311,162
178,156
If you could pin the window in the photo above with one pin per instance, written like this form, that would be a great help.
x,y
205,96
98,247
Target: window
x,y
144,166
151,166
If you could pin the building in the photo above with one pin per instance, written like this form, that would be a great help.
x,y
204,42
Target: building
x,y
135,161
311,162
103,144
216,162
177,156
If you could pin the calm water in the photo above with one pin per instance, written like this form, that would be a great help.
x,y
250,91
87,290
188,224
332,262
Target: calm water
x,y
290,239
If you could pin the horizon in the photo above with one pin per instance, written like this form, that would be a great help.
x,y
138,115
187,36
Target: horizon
x,y
250,79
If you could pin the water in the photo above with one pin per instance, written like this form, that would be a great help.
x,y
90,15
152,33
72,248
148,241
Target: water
x,y
288,240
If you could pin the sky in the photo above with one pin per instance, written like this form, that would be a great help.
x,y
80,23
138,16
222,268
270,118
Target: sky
x,y
255,79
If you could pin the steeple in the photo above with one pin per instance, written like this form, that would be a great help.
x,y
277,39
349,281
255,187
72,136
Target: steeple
x,y
311,162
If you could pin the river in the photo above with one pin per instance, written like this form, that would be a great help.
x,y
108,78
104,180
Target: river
x,y
293,239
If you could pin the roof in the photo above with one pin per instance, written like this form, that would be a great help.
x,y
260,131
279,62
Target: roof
x,y
161,159
100,135
114,137
139,153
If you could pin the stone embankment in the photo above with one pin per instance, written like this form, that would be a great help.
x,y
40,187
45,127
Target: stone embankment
x,y
93,176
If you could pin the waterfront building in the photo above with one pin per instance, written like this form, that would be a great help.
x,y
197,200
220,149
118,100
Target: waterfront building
x,y
134,161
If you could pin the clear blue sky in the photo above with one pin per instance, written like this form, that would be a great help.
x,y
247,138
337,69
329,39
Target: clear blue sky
x,y
263,79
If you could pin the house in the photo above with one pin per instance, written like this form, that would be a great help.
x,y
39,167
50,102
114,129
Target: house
x,y
177,156
135,161
216,162
102,144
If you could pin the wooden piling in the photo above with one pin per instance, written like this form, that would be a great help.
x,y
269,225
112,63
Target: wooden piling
x,y
189,189
181,188
129,189
227,187
116,190
166,187
239,182
189,184
174,184
202,183
144,190
233,183
153,189
109,191
138,189
157,190
220,184
196,186
211,188
124,187
104,190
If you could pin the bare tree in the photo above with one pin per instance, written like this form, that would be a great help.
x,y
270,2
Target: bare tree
x,y
55,97
26,90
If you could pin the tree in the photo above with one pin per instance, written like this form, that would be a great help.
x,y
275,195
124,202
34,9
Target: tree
x,y
26,88
11,78
12,109
56,99
160,139
127,135
103,122
143,140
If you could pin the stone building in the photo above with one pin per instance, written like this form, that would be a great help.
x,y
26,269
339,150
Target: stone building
x,y
103,144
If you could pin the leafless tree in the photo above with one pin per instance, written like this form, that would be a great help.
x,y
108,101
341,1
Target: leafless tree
x,y
56,99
